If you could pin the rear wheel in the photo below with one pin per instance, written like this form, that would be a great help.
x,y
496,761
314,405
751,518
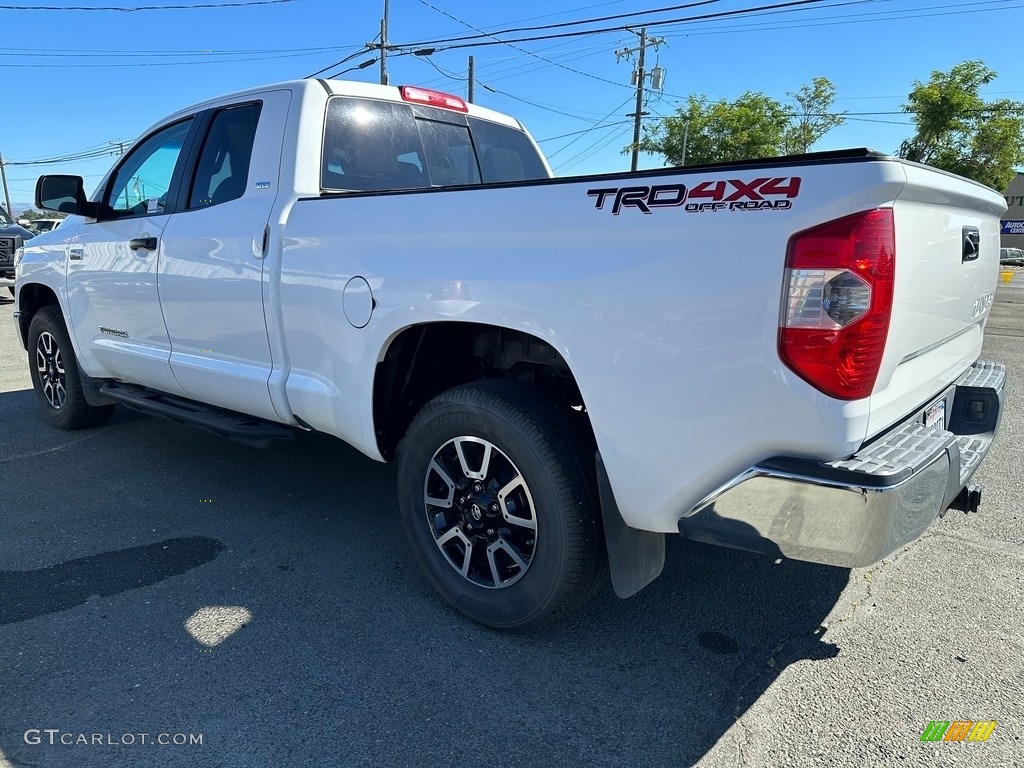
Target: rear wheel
x,y
497,500
55,375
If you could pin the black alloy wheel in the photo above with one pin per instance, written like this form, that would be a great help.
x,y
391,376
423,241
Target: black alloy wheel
x,y
496,494
55,375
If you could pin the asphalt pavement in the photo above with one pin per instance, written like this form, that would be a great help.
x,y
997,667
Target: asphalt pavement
x,y
168,598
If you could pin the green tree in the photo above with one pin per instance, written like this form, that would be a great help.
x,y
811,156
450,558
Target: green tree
x,y
814,117
754,125
704,131
31,214
959,131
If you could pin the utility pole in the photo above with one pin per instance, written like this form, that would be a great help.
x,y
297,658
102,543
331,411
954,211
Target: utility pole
x,y
472,79
640,75
7,194
384,46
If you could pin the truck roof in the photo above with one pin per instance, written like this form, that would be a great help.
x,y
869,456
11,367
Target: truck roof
x,y
341,88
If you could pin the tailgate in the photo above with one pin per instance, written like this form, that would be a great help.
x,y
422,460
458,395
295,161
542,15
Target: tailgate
x,y
947,261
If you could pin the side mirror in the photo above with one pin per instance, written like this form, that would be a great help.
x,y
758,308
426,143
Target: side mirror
x,y
64,194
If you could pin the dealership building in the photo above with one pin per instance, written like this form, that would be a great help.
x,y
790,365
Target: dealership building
x,y
1012,229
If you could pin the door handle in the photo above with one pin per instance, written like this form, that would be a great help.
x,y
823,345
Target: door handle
x,y
77,254
146,243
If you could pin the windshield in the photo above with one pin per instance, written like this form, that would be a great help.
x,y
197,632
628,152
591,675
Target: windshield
x,y
4,220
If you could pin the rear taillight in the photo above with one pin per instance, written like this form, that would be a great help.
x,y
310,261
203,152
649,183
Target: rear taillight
x,y
835,316
433,98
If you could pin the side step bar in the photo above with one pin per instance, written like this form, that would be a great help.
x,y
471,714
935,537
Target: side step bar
x,y
235,426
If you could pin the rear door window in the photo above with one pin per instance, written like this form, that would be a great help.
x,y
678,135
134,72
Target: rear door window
x,y
374,145
223,168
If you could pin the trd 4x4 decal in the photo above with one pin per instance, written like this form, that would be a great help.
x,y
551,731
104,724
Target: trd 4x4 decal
x,y
761,194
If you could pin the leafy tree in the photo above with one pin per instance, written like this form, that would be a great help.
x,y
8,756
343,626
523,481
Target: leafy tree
x,y
958,131
704,131
31,214
813,118
754,125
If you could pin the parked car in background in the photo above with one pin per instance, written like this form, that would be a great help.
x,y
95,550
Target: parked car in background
x,y
12,237
1013,257
45,225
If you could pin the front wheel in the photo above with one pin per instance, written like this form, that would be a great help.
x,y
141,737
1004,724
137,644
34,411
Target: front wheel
x,y
497,499
55,376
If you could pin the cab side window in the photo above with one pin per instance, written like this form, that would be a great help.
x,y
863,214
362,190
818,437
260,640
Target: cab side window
x,y
222,172
141,184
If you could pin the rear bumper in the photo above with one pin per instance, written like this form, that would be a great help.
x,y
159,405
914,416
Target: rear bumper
x,y
855,512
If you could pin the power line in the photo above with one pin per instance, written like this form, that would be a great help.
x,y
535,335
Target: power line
x,y
754,12
362,65
198,62
538,105
884,16
523,50
524,67
72,157
135,8
757,10
90,148
89,53
591,150
339,62
560,25
599,126
585,130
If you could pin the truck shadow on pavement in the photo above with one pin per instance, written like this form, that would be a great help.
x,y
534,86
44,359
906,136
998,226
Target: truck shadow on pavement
x,y
349,657
31,594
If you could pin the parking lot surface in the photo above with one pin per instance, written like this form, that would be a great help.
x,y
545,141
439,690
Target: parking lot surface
x,y
158,581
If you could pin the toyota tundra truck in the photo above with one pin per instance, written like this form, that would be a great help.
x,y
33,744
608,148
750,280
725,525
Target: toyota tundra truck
x,y
778,355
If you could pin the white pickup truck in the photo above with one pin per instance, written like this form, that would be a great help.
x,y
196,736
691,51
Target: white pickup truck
x,y
778,355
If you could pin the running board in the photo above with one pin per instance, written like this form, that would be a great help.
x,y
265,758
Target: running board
x,y
234,426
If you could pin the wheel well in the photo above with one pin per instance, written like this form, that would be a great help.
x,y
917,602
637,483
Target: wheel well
x,y
425,360
32,298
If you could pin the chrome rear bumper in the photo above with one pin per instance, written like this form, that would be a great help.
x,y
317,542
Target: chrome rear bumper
x,y
855,512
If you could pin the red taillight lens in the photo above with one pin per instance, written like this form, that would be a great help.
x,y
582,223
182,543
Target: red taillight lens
x,y
433,98
835,318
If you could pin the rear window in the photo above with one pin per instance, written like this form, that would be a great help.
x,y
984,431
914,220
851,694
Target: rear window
x,y
380,145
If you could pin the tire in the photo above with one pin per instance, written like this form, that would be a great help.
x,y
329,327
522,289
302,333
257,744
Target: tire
x,y
55,376
496,494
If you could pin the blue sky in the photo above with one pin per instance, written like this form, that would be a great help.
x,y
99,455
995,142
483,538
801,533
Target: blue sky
x,y
81,80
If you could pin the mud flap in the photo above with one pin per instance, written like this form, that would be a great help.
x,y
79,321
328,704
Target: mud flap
x,y
635,557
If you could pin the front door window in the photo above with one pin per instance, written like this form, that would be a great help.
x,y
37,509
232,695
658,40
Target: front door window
x,y
141,184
